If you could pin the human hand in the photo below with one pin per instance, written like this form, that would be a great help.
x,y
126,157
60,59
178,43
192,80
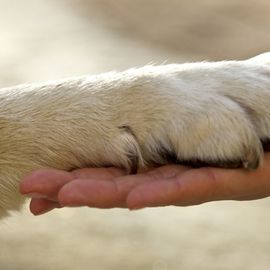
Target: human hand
x,y
166,185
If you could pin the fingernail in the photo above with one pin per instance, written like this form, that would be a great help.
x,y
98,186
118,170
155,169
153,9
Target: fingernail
x,y
42,212
135,208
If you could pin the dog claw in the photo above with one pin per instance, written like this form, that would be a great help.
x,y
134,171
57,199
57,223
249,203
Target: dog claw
x,y
253,158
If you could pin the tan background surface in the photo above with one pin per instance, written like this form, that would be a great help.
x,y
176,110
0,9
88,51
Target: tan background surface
x,y
42,40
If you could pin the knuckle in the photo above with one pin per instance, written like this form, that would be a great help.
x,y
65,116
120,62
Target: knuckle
x,y
211,186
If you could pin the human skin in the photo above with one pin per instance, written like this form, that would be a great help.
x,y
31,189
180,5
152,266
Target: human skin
x,y
167,185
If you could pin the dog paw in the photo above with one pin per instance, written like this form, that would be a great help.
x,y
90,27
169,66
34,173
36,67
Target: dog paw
x,y
198,114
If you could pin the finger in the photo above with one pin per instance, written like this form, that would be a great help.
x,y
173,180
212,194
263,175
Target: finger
x,y
108,194
170,192
98,173
44,183
42,206
191,187
99,193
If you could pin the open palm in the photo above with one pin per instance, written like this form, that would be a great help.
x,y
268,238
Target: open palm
x,y
166,185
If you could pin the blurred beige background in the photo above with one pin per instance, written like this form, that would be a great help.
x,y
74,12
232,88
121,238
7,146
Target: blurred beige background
x,y
41,40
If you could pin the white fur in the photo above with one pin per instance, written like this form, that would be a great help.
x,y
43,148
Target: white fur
x,y
208,111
